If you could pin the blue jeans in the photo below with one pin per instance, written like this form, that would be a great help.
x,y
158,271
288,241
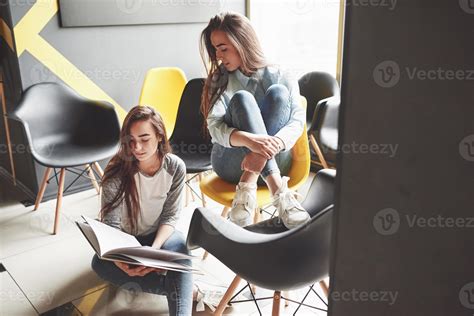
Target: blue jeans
x,y
246,115
177,286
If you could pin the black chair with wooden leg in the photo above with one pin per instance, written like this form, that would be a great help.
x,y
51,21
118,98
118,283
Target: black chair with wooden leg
x,y
66,131
299,256
324,132
188,140
317,87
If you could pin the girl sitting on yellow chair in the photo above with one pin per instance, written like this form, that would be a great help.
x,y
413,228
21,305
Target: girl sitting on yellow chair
x,y
253,116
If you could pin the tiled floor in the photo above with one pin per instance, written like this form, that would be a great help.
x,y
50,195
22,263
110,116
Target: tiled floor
x,y
51,275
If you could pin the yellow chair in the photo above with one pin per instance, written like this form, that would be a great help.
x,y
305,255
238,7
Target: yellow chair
x,y
162,89
223,192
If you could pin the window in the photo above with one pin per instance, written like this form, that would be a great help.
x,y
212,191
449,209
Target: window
x,y
299,35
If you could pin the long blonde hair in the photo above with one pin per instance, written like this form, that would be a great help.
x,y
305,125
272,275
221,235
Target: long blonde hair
x,y
243,37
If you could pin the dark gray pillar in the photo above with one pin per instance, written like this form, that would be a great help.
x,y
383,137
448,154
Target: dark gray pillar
x,y
404,240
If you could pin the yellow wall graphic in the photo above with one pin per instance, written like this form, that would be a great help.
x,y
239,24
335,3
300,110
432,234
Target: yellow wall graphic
x,y
27,37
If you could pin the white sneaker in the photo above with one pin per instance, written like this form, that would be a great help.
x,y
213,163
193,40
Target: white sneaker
x,y
244,204
289,208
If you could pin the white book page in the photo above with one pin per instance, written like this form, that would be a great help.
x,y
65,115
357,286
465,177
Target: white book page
x,y
110,238
163,264
90,236
151,253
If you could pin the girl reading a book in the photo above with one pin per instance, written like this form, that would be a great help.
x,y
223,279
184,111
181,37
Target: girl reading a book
x,y
141,195
253,115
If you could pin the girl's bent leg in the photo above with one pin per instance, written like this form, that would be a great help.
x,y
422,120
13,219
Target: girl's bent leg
x,y
276,112
178,285
108,271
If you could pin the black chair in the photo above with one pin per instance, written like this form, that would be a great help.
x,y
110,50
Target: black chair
x,y
66,130
324,134
317,87
298,257
188,140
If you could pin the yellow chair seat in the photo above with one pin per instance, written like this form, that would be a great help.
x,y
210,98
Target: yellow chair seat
x,y
223,192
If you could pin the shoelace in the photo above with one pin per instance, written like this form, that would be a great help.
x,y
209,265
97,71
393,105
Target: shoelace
x,y
243,197
288,198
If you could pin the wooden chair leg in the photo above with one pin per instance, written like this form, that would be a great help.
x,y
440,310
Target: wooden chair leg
x,y
286,294
318,151
42,188
93,180
98,169
257,216
227,296
324,287
276,303
203,197
7,133
59,200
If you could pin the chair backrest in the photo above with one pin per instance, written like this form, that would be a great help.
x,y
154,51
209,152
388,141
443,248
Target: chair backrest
x,y
307,248
326,131
54,111
301,159
316,86
189,121
162,89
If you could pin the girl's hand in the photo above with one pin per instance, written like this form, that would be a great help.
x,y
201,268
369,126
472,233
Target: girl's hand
x,y
137,270
267,146
253,162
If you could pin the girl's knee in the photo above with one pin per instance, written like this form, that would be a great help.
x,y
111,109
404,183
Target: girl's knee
x,y
278,94
243,100
176,242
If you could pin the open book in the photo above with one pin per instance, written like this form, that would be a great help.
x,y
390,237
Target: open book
x,y
112,244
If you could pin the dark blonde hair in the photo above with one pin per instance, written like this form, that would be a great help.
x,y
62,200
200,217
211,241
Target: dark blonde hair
x,y
243,37
124,166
